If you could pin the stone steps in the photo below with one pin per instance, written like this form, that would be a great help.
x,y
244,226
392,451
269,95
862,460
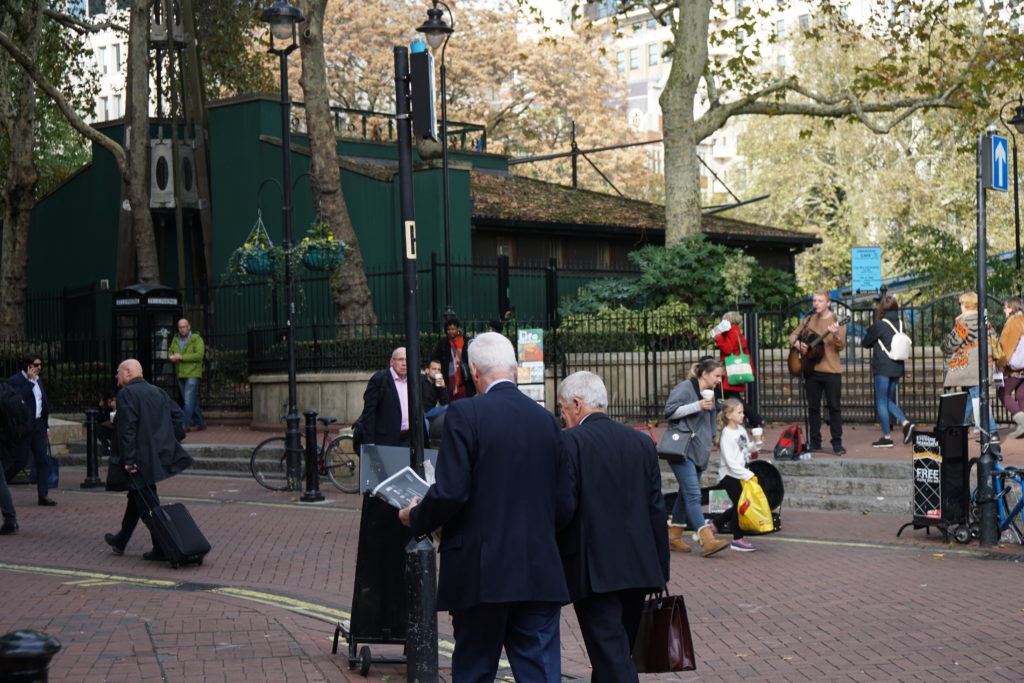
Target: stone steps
x,y
223,460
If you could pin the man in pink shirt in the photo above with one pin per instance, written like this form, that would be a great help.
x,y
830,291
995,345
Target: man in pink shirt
x,y
385,418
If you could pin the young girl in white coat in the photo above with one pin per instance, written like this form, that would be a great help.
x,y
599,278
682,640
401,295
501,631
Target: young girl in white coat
x,y
734,449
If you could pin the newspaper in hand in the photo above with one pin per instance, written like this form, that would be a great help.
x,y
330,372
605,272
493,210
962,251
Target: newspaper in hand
x,y
401,487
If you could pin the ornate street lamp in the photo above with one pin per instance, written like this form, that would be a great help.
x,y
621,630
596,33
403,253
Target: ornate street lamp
x,y
283,18
437,33
1017,122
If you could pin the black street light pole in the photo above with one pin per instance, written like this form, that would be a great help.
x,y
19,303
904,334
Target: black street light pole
x,y
437,33
282,18
1017,122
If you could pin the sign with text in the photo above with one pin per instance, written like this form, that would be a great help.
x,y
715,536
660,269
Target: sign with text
x,y
927,478
866,264
530,351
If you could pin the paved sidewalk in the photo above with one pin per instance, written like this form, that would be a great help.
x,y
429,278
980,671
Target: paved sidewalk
x,y
832,596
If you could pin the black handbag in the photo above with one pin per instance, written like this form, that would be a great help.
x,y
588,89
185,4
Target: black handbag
x,y
674,444
663,641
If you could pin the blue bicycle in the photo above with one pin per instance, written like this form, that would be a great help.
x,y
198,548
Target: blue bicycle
x,y
1008,483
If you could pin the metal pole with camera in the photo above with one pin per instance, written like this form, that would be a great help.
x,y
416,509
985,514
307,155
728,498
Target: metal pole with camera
x,y
420,563
283,18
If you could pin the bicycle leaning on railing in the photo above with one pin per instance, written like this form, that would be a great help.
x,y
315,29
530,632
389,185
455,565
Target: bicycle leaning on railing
x,y
1008,484
336,459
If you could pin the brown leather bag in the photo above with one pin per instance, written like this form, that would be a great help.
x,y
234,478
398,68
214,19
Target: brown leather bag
x,y
663,641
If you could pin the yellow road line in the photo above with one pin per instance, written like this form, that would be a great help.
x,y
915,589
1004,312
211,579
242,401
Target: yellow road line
x,y
883,546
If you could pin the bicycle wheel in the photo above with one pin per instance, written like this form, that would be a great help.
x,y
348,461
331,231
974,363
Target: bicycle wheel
x,y
342,464
268,464
1011,499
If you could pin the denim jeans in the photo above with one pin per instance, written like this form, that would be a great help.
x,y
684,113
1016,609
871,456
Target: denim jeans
x,y
687,507
885,402
190,399
972,394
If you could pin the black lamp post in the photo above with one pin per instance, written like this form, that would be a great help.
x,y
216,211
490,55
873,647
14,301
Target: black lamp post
x,y
437,33
1017,122
282,18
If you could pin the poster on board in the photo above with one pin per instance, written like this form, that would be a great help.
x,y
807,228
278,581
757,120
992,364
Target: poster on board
x,y
530,351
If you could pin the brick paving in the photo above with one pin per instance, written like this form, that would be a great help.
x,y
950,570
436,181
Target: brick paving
x,y
833,596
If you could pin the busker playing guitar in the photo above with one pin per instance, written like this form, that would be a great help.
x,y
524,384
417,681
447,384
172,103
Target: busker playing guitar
x,y
822,375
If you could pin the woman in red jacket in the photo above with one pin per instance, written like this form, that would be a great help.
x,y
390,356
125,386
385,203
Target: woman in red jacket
x,y
730,340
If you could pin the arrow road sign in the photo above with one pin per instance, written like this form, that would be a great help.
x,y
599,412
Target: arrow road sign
x,y
995,172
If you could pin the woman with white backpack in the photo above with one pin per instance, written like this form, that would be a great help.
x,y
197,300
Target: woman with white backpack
x,y
1012,341
890,348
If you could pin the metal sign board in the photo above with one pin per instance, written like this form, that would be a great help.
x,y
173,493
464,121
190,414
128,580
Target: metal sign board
x,y
995,164
866,264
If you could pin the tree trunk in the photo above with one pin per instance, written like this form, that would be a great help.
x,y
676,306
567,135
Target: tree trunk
x,y
18,121
135,176
682,170
351,292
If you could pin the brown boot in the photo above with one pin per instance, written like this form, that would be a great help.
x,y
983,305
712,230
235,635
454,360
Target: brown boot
x,y
675,539
709,545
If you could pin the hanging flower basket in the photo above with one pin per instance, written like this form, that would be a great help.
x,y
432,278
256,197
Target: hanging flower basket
x,y
319,250
323,258
257,255
257,262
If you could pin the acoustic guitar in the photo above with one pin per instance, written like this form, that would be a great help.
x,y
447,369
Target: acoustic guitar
x,y
802,365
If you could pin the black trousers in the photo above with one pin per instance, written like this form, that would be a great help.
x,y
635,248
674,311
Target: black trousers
x,y
727,519
753,418
140,501
830,384
609,623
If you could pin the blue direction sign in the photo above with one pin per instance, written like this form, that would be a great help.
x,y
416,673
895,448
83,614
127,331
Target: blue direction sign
x,y
995,167
866,264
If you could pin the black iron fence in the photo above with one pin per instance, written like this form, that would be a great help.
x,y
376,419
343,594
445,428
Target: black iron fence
x,y
640,355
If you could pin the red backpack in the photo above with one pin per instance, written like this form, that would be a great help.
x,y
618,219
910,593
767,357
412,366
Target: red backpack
x,y
790,443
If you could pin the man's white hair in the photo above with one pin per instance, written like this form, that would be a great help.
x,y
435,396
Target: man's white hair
x,y
587,387
492,354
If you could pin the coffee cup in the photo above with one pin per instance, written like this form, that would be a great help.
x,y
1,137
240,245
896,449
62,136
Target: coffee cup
x,y
708,393
756,432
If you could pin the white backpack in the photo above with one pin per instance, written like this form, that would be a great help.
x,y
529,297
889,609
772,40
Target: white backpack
x,y
899,347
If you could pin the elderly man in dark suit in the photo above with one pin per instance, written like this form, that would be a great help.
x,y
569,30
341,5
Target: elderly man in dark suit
x,y
614,550
500,490
146,449
30,387
385,417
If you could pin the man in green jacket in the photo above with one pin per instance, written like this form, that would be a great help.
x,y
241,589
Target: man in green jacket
x,y
188,368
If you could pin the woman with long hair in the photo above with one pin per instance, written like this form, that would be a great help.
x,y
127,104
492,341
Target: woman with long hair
x,y
691,408
1012,341
886,371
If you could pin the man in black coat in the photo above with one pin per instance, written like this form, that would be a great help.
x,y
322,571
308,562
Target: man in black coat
x,y
452,353
500,496
614,550
30,387
146,449
385,417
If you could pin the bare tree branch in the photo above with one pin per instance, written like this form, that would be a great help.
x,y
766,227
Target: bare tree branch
x,y
82,26
58,98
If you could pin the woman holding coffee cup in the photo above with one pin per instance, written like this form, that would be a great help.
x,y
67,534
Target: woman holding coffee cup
x,y
691,408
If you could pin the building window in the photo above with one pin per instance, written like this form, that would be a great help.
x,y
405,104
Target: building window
x,y
805,22
634,58
780,63
653,54
118,111
97,7
621,58
651,24
741,37
740,4
117,56
105,108
637,26
101,60
780,29
666,52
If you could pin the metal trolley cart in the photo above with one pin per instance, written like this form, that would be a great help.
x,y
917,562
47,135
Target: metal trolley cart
x,y
942,492
379,614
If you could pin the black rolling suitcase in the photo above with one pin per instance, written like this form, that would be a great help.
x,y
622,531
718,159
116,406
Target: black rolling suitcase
x,y
177,535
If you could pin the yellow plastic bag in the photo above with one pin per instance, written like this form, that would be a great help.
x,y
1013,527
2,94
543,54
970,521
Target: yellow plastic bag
x,y
752,510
